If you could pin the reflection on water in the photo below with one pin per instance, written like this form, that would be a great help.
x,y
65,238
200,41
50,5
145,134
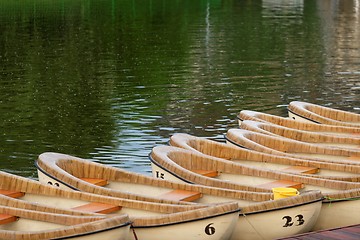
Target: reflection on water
x,y
108,80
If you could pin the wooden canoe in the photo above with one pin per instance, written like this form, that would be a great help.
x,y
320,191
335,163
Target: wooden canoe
x,y
302,136
147,217
251,158
353,132
254,203
17,223
303,111
292,148
341,198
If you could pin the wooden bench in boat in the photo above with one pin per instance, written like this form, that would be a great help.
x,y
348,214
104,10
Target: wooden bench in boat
x,y
96,181
98,208
281,183
10,193
181,195
6,218
301,169
352,158
206,173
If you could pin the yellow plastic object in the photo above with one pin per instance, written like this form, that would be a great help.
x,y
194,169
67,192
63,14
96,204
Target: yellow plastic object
x,y
281,192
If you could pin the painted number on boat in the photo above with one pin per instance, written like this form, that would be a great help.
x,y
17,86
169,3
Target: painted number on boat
x,y
159,175
209,229
289,221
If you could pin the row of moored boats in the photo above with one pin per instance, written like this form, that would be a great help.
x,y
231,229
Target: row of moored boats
x,y
274,177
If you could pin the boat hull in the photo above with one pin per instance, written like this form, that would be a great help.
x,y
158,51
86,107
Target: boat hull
x,y
220,227
113,234
338,213
259,159
122,233
217,227
47,179
267,224
341,202
302,136
300,118
303,111
292,148
332,130
29,224
279,223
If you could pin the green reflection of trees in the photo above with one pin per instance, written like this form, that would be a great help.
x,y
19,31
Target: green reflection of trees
x,y
63,62
72,72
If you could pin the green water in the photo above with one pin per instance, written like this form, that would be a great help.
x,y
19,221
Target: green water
x,y
108,80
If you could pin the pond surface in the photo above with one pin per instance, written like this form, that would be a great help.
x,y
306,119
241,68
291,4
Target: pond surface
x,y
108,80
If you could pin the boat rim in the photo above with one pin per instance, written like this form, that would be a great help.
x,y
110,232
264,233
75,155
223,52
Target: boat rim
x,y
235,143
152,160
250,213
99,231
51,176
166,224
300,116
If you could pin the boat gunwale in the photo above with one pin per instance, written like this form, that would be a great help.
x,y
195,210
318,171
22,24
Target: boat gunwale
x,y
227,193
323,114
182,213
316,149
88,197
305,117
53,177
291,123
85,186
296,134
237,153
72,230
343,189
257,203
99,231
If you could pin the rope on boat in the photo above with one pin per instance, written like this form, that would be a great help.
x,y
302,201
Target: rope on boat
x,y
331,200
134,233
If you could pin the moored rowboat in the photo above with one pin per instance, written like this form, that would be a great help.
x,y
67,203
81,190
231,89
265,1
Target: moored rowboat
x,y
146,217
70,172
235,176
341,197
292,148
251,158
255,204
17,223
353,132
303,111
264,219
302,136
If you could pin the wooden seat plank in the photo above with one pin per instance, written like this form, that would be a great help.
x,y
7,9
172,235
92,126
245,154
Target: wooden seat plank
x,y
6,218
10,193
206,173
96,181
354,158
181,195
301,169
281,183
98,208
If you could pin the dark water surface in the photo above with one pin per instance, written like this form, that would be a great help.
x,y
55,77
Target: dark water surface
x,y
107,80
